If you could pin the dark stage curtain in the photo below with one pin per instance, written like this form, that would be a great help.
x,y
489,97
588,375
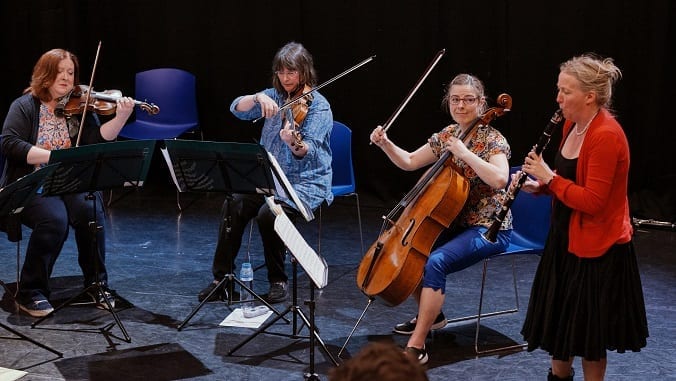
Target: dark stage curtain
x,y
515,47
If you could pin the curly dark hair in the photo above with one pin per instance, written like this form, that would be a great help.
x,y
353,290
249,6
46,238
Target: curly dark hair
x,y
379,361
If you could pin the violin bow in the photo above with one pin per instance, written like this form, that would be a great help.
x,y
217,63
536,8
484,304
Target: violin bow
x,y
415,88
348,71
91,83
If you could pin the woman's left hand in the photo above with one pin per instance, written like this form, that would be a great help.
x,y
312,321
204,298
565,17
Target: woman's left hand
x,y
457,147
287,133
124,108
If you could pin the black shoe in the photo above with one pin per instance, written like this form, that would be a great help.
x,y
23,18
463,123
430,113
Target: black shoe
x,y
99,298
277,293
418,354
407,328
219,295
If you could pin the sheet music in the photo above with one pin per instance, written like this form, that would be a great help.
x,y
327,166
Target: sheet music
x,y
170,165
312,263
286,189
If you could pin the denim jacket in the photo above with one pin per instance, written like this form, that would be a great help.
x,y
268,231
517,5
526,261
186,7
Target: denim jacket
x,y
310,175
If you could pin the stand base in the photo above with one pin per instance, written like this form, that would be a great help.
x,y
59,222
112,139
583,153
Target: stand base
x,y
231,278
297,313
96,287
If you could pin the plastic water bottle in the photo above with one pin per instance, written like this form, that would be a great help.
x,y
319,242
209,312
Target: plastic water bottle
x,y
245,297
246,276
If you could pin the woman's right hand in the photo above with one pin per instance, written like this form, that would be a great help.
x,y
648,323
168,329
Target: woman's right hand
x,y
379,136
529,186
269,107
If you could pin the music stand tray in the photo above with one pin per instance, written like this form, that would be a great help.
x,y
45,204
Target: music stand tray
x,y
225,167
98,167
13,198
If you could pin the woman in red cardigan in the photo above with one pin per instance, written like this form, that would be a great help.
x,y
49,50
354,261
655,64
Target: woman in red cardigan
x,y
586,296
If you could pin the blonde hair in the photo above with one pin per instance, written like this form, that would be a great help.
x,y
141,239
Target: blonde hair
x,y
595,74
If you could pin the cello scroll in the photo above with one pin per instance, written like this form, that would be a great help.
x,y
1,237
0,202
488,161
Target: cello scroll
x,y
505,102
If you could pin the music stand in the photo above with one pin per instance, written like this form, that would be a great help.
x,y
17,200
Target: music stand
x,y
220,167
13,198
92,168
316,268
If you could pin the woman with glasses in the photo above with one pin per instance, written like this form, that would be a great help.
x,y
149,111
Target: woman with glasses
x,y
482,158
586,297
300,145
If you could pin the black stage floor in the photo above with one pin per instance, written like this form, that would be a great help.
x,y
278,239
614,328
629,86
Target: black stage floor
x,y
159,259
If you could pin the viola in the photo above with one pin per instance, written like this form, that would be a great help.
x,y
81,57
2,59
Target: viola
x,y
393,266
297,111
100,102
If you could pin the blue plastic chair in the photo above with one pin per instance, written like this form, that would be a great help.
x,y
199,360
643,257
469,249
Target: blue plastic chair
x,y
173,91
530,224
343,183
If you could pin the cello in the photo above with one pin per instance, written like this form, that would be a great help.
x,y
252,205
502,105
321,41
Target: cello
x,y
393,266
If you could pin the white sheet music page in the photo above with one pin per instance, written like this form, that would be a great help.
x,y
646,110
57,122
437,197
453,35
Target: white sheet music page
x,y
170,165
286,189
312,263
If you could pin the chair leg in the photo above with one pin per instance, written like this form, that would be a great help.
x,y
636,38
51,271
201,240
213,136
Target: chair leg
x,y
508,311
319,233
480,314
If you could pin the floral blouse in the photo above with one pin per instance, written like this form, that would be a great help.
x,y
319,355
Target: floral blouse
x,y
53,132
483,201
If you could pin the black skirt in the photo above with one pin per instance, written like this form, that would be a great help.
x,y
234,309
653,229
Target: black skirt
x,y
585,306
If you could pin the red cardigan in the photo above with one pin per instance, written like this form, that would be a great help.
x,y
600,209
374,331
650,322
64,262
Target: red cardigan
x,y
600,216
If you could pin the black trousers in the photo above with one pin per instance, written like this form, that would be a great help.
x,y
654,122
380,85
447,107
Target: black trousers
x,y
50,219
236,213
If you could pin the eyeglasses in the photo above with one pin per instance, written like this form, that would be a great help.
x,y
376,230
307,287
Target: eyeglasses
x,y
290,73
469,101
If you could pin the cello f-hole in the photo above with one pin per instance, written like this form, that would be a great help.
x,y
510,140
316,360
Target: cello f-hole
x,y
404,241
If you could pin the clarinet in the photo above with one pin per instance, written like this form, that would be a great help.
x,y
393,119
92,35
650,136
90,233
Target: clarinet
x,y
492,232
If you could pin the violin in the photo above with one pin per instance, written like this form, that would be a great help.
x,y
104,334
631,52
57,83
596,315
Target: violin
x,y
393,266
101,102
297,111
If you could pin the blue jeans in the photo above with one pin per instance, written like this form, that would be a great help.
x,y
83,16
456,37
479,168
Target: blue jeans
x,y
457,250
50,218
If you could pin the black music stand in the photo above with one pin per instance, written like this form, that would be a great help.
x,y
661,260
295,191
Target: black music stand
x,y
316,268
92,168
13,198
220,167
